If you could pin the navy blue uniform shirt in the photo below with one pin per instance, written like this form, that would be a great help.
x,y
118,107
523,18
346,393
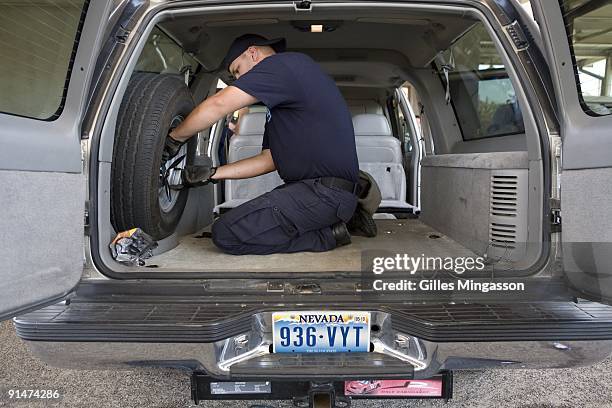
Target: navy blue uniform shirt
x,y
309,129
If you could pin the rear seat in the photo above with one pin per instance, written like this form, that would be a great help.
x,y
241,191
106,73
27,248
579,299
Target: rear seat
x,y
378,151
242,145
380,154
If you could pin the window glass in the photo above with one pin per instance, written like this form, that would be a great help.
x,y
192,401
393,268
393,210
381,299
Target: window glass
x,y
37,45
589,27
162,55
480,90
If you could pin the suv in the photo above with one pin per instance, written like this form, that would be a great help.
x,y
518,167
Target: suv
x,y
509,162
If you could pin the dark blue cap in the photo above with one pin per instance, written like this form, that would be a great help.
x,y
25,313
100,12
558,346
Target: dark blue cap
x,y
243,42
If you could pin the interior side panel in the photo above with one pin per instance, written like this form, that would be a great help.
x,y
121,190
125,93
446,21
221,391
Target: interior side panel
x,y
457,191
509,143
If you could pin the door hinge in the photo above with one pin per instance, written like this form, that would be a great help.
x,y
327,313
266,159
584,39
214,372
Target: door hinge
x,y
122,35
303,5
555,215
517,36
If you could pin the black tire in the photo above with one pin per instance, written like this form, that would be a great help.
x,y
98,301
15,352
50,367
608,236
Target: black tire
x,y
150,105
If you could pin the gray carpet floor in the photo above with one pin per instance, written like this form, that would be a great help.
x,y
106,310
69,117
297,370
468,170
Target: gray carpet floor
x,y
409,236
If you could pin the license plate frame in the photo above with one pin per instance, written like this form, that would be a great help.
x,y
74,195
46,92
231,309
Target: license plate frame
x,y
333,331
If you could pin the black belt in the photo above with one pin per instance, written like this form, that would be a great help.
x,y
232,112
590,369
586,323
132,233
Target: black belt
x,y
340,183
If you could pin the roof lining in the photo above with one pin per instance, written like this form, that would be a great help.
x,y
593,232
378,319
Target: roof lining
x,y
208,36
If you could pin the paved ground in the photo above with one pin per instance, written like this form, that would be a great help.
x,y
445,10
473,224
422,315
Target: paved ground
x,y
582,387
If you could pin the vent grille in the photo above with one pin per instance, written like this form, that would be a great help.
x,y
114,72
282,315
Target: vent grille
x,y
503,235
504,194
504,201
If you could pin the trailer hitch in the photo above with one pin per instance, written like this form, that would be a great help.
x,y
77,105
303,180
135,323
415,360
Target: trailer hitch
x,y
303,394
325,393
322,395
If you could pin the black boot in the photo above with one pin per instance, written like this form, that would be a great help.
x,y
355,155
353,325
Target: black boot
x,y
362,223
341,234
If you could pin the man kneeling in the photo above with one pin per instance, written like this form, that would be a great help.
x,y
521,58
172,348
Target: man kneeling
x,y
308,138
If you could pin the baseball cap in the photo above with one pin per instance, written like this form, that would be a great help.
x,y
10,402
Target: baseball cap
x,y
240,45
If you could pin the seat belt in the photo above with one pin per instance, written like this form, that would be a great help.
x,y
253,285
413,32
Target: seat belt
x,y
446,67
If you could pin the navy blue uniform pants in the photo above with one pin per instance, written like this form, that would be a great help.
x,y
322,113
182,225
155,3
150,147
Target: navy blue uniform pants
x,y
293,217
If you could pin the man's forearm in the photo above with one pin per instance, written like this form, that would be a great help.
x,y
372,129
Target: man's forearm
x,y
211,110
202,117
245,168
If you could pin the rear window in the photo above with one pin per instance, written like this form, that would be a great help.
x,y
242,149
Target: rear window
x,y
589,28
480,90
37,46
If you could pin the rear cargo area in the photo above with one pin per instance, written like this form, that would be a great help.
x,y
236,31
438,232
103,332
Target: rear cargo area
x,y
196,252
468,174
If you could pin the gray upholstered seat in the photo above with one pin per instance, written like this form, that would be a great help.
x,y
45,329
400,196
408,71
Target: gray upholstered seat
x,y
247,143
380,154
378,151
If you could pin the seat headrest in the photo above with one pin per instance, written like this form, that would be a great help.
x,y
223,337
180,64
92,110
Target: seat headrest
x,y
252,124
359,106
371,124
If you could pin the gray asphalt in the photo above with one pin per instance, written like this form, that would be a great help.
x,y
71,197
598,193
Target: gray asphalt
x,y
562,388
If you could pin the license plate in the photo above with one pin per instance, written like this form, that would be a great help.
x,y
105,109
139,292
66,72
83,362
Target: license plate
x,y
321,332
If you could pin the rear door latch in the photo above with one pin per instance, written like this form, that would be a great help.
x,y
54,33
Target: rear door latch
x,y
276,287
304,5
307,288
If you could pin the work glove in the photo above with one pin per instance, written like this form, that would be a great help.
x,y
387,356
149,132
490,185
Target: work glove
x,y
196,176
171,149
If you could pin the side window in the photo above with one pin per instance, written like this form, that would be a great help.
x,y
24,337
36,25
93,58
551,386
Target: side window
x,y
480,90
162,55
588,25
38,45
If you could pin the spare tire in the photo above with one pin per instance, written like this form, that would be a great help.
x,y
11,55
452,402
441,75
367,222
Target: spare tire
x,y
152,104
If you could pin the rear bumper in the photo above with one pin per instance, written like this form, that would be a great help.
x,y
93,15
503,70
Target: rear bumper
x,y
202,357
174,322
415,341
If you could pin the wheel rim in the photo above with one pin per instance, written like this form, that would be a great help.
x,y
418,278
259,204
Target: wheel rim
x,y
168,198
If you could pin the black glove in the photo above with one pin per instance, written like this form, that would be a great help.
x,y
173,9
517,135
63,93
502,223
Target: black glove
x,y
196,176
171,148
